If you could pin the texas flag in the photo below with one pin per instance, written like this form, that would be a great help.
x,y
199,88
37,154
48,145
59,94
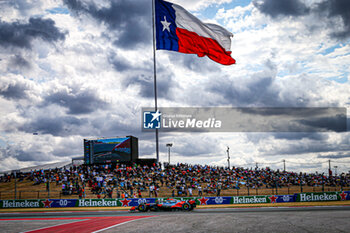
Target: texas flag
x,y
178,30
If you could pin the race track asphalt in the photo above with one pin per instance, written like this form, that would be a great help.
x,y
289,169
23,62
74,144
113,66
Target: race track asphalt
x,y
262,219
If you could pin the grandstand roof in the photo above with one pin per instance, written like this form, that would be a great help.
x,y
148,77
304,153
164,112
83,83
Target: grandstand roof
x,y
78,158
43,166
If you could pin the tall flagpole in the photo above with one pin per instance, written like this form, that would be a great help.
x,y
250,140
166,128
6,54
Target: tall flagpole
x,y
155,74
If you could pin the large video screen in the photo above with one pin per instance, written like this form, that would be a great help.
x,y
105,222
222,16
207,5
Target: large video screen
x,y
110,150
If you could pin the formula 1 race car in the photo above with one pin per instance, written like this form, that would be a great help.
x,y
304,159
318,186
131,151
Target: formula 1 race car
x,y
167,205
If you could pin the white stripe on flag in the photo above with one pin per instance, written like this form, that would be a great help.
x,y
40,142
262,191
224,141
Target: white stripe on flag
x,y
186,20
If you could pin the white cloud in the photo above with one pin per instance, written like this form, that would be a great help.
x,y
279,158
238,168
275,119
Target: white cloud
x,y
199,4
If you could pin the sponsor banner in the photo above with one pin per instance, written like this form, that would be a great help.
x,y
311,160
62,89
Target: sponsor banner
x,y
176,198
61,203
217,200
281,198
100,202
345,195
21,204
324,196
207,200
199,200
187,198
250,200
135,201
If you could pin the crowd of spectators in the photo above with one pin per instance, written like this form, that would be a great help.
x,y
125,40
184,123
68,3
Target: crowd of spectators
x,y
122,181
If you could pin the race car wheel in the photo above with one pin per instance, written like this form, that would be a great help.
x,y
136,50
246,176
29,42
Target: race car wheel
x,y
142,208
186,206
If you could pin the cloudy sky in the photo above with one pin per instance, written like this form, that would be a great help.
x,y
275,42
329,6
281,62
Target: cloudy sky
x,y
75,69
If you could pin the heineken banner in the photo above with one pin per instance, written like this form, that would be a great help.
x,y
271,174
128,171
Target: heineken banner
x,y
98,203
22,204
60,203
325,196
249,200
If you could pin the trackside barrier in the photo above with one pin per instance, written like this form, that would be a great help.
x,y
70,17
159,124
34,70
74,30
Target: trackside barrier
x,y
61,203
326,196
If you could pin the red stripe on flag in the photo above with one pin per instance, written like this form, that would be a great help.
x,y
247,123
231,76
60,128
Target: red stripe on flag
x,y
191,42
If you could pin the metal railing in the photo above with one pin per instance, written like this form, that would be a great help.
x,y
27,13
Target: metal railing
x,y
41,194
246,191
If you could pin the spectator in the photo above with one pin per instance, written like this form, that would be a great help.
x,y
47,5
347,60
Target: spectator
x,y
190,191
181,178
139,193
200,190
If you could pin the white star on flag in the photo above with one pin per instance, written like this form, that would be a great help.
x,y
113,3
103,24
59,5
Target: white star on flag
x,y
166,24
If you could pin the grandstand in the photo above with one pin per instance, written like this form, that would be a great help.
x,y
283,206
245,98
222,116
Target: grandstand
x,y
68,180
